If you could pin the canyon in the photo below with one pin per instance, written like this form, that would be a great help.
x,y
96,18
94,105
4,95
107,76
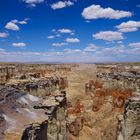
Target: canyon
x,y
70,102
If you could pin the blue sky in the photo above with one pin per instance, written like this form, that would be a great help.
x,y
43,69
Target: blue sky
x,y
69,30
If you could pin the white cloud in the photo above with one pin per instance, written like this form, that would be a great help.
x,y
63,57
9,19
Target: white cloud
x,y
20,22
2,50
3,34
14,21
51,37
54,56
136,44
33,3
72,40
61,4
62,31
118,53
96,11
59,32
12,26
65,31
134,52
19,44
118,50
90,48
109,35
129,26
72,51
59,44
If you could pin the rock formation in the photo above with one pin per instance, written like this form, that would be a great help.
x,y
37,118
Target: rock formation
x,y
129,124
54,127
35,132
2,127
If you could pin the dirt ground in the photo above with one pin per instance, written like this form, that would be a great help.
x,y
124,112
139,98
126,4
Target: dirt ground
x,y
102,124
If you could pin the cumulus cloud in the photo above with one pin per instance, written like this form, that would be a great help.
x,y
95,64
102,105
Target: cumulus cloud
x,y
61,4
96,11
65,31
12,26
58,32
3,34
109,35
20,22
72,40
51,37
129,26
19,44
90,48
33,3
135,44
59,44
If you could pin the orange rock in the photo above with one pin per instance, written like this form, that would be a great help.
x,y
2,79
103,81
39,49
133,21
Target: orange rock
x,y
79,106
98,85
71,111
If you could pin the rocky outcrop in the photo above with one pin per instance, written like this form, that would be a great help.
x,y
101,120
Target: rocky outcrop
x,y
2,127
129,124
54,127
35,132
125,79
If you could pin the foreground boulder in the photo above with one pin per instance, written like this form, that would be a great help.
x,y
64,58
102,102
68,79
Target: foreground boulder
x,y
54,127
